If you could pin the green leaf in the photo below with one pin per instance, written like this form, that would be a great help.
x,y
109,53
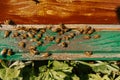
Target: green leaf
x,y
17,65
105,77
94,77
12,73
74,77
9,74
101,68
2,73
58,75
61,66
43,68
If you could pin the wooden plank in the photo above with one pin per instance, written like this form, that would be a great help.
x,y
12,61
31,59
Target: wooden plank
x,y
107,47
60,11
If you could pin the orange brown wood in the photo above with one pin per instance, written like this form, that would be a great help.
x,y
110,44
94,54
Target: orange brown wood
x,y
60,11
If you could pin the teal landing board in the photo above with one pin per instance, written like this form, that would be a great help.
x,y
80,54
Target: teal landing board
x,y
107,47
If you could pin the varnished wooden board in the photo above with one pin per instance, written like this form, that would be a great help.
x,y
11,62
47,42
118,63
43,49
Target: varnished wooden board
x,y
60,11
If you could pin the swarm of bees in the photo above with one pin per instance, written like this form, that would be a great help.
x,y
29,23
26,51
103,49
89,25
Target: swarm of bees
x,y
35,35
87,31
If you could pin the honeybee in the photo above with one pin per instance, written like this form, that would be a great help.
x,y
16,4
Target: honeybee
x,y
34,32
67,37
39,43
6,33
56,29
24,36
9,22
91,31
32,48
15,34
30,35
96,36
71,35
58,40
66,30
61,32
39,35
86,37
88,53
63,44
34,39
81,30
51,38
22,44
86,29
46,37
9,52
43,31
45,54
62,26
33,52
4,51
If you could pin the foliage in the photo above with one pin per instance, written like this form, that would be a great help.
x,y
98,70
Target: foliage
x,y
59,70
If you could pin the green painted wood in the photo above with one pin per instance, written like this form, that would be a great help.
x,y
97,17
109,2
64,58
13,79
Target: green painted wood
x,y
107,47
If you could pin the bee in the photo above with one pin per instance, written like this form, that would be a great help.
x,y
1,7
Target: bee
x,y
9,52
88,53
43,31
6,34
63,44
81,30
66,37
30,35
45,54
22,44
61,32
46,37
39,35
34,32
86,29
24,36
96,36
32,48
58,40
15,34
71,35
51,38
33,52
39,43
4,51
66,30
34,39
56,29
91,31
86,37
9,22
62,26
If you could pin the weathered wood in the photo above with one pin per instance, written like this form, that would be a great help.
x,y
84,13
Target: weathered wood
x,y
107,47
60,11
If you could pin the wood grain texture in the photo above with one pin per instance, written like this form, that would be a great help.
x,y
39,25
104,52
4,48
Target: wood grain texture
x,y
60,11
